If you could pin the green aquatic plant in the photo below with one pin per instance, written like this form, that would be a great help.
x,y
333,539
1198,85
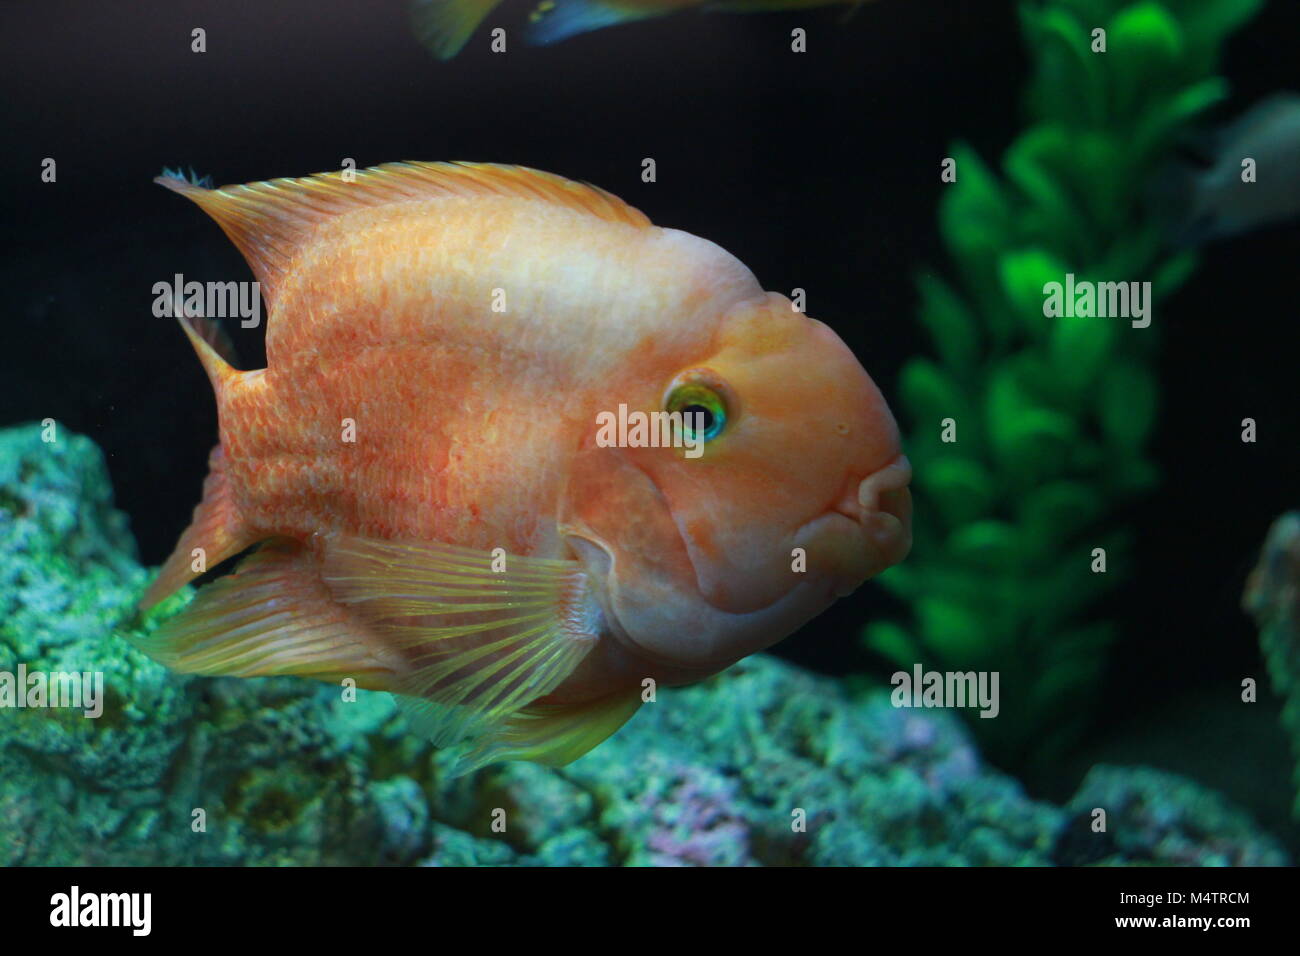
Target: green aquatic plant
x,y
1028,431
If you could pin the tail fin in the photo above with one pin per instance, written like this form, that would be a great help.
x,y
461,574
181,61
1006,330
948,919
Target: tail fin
x,y
555,20
444,26
216,531
1174,197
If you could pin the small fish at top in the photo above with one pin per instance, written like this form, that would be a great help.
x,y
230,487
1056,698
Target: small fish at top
x,y
1215,202
444,26
440,504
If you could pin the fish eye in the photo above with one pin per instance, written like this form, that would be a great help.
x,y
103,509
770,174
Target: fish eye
x,y
694,399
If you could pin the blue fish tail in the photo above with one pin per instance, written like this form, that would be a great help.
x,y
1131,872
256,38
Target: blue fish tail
x,y
555,20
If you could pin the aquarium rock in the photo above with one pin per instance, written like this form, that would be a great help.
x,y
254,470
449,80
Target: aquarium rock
x,y
765,764
1273,598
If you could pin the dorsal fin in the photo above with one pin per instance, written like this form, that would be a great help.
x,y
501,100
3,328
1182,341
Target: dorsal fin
x,y
270,221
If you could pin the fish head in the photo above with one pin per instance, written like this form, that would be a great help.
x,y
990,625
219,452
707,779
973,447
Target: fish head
x,y
798,495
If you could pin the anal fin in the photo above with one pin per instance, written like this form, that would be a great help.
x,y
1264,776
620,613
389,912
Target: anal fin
x,y
552,734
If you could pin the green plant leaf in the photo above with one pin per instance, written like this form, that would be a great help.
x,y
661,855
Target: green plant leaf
x,y
1039,164
1143,45
1079,347
1207,22
1172,274
1126,405
1031,441
960,487
974,213
931,394
1056,511
988,543
954,634
1069,83
950,323
1162,121
1024,274
892,641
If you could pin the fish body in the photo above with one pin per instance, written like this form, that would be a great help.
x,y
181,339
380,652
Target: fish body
x,y
1216,202
422,466
444,26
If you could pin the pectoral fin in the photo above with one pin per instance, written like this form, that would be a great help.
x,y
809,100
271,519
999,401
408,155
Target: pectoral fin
x,y
466,641
272,616
480,637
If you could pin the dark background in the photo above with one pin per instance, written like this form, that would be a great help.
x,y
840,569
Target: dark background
x,y
818,171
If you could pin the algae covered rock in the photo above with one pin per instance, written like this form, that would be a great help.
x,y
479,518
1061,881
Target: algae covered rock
x,y
1273,598
764,765
768,764
173,769
1167,820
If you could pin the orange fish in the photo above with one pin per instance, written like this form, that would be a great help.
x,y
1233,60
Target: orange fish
x,y
443,507
444,26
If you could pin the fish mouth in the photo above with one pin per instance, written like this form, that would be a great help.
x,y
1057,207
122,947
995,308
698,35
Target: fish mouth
x,y
663,621
866,529
885,509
